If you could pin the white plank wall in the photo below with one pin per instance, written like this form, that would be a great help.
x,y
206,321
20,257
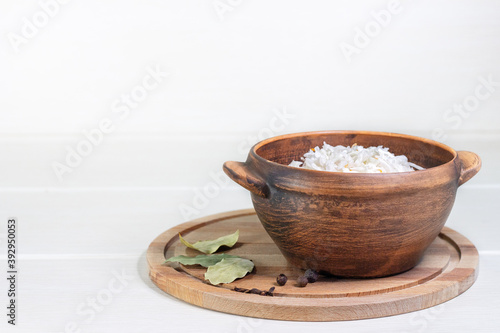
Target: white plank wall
x,y
167,91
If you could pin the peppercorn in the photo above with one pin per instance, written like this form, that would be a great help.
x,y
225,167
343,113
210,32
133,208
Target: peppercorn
x,y
281,279
254,291
302,281
312,276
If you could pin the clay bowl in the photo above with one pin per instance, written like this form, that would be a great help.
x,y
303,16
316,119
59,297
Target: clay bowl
x,y
353,224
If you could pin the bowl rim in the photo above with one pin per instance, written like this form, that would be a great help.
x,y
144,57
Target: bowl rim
x,y
253,152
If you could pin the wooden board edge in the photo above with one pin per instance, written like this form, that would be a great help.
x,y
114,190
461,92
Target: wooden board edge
x,y
419,297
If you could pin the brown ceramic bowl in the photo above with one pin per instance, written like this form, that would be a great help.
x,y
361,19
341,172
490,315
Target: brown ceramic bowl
x,y
353,224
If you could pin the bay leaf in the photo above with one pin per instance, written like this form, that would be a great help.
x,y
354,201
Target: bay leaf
x,y
229,269
203,259
210,246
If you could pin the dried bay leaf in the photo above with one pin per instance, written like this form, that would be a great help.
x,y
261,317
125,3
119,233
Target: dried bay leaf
x,y
210,246
203,259
228,270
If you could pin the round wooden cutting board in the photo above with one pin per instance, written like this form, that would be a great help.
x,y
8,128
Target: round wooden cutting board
x,y
449,267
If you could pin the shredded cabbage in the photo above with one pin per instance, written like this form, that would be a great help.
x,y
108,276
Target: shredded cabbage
x,y
355,159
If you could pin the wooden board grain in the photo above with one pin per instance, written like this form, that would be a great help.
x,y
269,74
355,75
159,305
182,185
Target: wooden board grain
x,y
448,268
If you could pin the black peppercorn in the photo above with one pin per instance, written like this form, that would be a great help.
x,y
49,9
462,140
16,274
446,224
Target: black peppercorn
x,y
312,276
281,279
302,281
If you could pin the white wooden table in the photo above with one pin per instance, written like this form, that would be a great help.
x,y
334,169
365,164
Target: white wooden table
x,y
82,264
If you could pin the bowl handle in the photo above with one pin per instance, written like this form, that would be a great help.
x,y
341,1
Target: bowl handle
x,y
242,174
471,163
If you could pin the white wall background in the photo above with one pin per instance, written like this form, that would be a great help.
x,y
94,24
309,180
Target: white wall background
x,y
230,65
231,70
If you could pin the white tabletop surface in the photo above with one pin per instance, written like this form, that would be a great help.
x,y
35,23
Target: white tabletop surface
x,y
237,71
71,252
